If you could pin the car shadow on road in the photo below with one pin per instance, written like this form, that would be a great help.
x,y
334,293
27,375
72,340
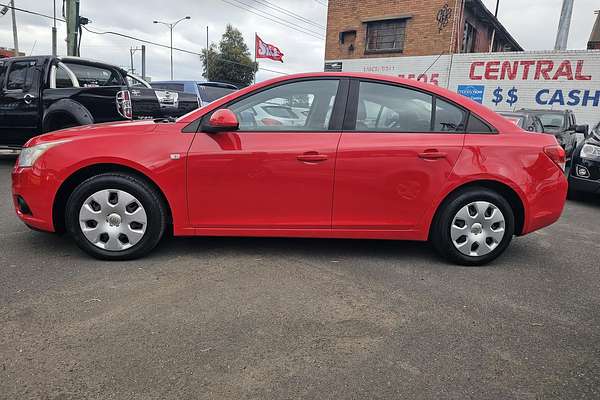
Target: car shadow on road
x,y
589,199
331,249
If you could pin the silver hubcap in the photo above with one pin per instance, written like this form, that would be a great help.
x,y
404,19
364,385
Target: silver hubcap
x,y
477,229
113,220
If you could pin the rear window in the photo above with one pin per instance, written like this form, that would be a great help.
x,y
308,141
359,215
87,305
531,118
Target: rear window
x,y
210,93
552,121
92,76
174,87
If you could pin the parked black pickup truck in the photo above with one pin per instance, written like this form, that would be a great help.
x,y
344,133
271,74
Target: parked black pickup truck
x,y
44,93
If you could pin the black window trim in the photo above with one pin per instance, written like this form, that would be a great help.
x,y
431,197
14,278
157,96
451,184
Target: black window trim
x,y
349,124
338,112
9,68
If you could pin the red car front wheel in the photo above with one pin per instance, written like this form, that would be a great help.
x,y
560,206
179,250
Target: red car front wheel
x,y
115,216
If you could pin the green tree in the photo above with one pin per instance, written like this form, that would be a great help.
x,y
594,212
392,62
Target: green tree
x,y
231,61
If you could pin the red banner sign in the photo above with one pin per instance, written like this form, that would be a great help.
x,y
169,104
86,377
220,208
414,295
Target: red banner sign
x,y
265,50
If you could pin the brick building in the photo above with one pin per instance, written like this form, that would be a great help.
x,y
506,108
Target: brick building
x,y
385,28
594,42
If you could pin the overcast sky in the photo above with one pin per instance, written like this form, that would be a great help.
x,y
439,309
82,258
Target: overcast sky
x,y
533,23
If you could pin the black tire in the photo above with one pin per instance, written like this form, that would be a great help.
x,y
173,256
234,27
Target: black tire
x,y
149,198
440,236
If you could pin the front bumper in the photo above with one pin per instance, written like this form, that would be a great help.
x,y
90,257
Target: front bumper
x,y
585,175
32,198
584,185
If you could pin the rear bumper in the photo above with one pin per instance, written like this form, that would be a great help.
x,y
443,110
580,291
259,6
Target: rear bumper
x,y
32,199
547,205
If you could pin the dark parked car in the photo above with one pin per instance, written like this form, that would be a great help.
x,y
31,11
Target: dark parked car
x,y
526,121
44,93
585,168
207,92
563,125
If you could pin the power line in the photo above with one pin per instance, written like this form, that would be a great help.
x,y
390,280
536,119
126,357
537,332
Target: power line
x,y
175,48
138,39
323,3
284,20
287,24
32,12
285,11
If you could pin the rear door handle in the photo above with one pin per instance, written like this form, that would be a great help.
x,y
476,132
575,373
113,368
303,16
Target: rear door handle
x,y
432,155
312,157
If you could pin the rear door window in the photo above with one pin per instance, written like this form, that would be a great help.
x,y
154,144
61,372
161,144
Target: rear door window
x,y
20,75
389,108
448,117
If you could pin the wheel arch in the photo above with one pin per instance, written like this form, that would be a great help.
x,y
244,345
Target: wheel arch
x,y
513,198
79,176
66,108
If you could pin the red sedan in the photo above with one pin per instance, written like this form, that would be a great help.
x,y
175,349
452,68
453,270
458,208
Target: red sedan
x,y
312,155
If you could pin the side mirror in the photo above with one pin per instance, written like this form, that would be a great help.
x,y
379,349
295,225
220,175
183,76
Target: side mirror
x,y
222,120
582,129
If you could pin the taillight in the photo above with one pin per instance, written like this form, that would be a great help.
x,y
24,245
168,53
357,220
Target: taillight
x,y
556,154
124,104
270,122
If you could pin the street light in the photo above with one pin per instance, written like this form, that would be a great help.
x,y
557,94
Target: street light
x,y
171,26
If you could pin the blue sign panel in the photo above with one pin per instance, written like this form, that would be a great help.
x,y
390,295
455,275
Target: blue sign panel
x,y
474,92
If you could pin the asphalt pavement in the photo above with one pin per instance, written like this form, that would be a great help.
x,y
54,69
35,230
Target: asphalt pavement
x,y
226,318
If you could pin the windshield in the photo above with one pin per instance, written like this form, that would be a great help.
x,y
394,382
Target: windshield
x,y
174,87
210,93
553,122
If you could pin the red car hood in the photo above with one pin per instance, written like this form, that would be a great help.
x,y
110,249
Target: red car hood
x,y
107,128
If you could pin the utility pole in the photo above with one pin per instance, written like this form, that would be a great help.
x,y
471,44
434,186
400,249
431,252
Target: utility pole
x,y
54,50
564,25
132,51
144,62
72,16
206,53
14,26
494,32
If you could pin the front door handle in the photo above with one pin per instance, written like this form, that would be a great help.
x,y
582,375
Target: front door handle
x,y
432,155
312,157
28,98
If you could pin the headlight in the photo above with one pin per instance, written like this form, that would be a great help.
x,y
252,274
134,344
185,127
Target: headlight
x,y
29,155
590,151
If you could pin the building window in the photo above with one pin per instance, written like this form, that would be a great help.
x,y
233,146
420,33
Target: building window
x,y
386,36
469,36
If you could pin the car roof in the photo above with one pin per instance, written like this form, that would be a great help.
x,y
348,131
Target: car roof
x,y
513,113
184,81
480,110
68,59
540,111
